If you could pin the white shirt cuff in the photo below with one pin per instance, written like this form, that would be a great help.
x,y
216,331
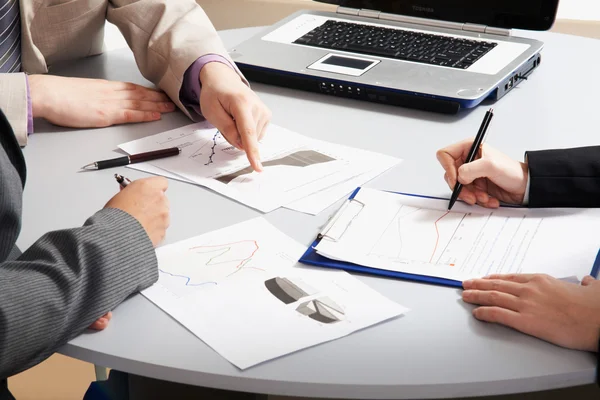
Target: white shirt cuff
x,y
526,197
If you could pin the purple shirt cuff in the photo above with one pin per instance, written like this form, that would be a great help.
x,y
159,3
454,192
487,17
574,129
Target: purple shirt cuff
x,y
29,108
189,95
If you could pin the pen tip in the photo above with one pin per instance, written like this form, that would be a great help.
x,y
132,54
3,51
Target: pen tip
x,y
89,166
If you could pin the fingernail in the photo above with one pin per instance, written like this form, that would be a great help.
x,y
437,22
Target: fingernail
x,y
156,115
468,284
467,294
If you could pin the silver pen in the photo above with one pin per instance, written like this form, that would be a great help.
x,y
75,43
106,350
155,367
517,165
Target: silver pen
x,y
122,180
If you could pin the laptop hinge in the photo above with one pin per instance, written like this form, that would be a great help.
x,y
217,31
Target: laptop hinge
x,y
423,21
486,29
347,11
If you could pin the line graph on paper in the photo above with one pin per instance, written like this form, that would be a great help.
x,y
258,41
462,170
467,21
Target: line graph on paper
x,y
421,235
205,266
207,150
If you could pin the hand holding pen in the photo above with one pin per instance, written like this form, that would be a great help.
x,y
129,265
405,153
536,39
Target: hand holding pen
x,y
492,177
473,152
146,201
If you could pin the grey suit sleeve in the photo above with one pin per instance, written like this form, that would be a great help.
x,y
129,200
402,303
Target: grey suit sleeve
x,y
65,281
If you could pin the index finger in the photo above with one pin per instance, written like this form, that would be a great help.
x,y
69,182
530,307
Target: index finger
x,y
496,285
519,278
450,154
246,127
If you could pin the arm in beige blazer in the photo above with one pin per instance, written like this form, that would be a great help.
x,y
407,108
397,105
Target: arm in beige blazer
x,y
166,37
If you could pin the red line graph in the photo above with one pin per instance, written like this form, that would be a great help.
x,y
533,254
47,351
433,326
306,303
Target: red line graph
x,y
437,232
226,247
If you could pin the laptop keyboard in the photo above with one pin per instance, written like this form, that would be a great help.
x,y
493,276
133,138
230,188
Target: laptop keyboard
x,y
397,43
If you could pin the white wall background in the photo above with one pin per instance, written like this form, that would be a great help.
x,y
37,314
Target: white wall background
x,y
588,10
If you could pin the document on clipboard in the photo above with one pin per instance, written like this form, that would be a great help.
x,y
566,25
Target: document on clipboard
x,y
416,237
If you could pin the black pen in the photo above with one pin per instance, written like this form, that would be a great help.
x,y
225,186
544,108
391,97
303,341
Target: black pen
x,y
122,181
472,153
134,158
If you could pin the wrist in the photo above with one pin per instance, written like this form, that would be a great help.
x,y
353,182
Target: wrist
x,y
39,108
212,69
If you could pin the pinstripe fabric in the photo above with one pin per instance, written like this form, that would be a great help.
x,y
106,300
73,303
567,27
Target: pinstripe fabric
x,y
10,36
67,279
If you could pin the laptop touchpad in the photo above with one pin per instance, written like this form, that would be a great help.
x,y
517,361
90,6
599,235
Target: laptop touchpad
x,y
346,65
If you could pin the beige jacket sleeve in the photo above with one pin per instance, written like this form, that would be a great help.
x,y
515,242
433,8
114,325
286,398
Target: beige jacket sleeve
x,y
13,101
166,37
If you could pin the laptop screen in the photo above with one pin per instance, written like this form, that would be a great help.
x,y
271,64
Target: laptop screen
x,y
517,14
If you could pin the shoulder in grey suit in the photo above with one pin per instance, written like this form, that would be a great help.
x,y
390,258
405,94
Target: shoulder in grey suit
x,y
67,279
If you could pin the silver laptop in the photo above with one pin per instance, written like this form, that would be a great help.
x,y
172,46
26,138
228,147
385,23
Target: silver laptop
x,y
437,55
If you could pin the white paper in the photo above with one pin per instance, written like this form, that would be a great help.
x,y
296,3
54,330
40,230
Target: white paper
x,y
240,290
295,167
317,202
419,236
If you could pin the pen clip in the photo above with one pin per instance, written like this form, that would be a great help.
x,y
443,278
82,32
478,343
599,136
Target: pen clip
x,y
339,222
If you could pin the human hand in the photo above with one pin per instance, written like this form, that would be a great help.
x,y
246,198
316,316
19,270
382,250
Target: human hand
x,y
234,109
559,312
102,322
145,200
492,178
94,103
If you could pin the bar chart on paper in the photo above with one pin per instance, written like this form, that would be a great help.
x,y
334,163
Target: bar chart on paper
x,y
240,291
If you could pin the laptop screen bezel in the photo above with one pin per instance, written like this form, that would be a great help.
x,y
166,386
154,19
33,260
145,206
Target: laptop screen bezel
x,y
540,20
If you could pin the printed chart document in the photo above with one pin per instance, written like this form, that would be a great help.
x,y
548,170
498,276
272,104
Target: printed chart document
x,y
240,290
418,235
295,167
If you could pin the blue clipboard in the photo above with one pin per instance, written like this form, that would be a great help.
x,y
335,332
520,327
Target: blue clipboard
x,y
311,257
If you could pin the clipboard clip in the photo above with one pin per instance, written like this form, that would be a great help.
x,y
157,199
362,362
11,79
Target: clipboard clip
x,y
339,222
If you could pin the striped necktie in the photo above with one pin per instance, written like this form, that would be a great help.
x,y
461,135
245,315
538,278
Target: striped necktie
x,y
10,36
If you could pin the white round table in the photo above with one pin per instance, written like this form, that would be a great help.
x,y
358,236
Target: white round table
x,y
436,350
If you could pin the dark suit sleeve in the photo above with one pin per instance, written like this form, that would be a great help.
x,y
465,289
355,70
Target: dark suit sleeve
x,y
564,177
65,281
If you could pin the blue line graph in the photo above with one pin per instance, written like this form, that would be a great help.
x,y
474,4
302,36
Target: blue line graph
x,y
210,160
188,279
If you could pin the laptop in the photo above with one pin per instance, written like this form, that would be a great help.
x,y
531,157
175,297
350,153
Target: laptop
x,y
435,55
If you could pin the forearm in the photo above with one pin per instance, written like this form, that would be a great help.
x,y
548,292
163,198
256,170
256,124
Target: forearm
x,y
565,177
166,38
65,281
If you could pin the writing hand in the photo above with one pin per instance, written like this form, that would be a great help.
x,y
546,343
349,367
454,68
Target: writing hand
x,y
145,200
492,178
559,312
94,103
234,109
